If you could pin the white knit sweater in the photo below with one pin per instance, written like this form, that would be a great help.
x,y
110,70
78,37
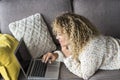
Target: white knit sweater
x,y
100,53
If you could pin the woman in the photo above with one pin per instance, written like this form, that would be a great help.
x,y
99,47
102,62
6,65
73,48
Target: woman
x,y
83,49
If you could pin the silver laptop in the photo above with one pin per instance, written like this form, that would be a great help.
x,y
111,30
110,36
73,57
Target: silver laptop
x,y
34,68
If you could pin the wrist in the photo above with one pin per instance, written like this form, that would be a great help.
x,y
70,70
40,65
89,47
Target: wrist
x,y
59,55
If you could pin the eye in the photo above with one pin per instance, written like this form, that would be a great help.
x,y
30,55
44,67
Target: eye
x,y
59,33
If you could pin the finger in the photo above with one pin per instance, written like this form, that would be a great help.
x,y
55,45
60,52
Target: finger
x,y
44,58
50,61
47,58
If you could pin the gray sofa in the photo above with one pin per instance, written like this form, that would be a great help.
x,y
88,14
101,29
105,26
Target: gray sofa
x,y
104,14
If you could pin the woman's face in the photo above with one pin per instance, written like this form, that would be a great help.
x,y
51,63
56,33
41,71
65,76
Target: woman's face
x,y
62,38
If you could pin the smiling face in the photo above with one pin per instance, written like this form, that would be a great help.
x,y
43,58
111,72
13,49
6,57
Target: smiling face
x,y
62,38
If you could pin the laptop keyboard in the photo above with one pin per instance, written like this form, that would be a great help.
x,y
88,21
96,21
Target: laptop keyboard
x,y
39,68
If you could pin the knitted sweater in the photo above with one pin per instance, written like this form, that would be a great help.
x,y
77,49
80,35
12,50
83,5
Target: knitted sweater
x,y
101,52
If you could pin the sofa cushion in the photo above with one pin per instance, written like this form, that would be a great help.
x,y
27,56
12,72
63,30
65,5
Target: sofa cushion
x,y
104,14
35,34
12,10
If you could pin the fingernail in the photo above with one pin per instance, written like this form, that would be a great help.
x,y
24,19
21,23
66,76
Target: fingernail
x,y
43,61
50,62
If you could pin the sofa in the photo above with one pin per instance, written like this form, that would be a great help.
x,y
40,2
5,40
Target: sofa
x,y
104,14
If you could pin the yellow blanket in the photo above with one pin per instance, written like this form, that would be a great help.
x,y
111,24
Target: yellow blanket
x,y
9,67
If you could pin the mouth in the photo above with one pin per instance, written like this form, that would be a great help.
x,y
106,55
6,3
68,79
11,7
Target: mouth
x,y
60,42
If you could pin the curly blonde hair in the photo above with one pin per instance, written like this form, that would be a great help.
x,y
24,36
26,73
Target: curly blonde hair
x,y
78,29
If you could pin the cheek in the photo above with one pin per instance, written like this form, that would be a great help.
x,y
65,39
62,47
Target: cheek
x,y
65,41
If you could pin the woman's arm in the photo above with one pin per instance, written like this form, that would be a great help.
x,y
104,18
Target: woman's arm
x,y
84,68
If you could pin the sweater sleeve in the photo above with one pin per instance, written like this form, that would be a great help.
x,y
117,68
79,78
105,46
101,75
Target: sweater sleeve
x,y
85,68
89,65
73,66
60,56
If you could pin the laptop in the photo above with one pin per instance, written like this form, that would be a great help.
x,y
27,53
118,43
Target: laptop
x,y
35,69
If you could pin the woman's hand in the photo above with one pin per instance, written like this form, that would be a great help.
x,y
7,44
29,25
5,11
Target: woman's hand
x,y
66,51
49,57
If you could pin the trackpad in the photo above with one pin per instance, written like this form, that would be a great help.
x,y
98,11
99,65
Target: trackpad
x,y
53,70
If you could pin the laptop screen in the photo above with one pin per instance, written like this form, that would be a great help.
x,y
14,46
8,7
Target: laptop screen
x,y
23,56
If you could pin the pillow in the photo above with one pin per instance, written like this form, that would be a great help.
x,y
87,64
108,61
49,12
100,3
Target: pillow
x,y
9,67
35,34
